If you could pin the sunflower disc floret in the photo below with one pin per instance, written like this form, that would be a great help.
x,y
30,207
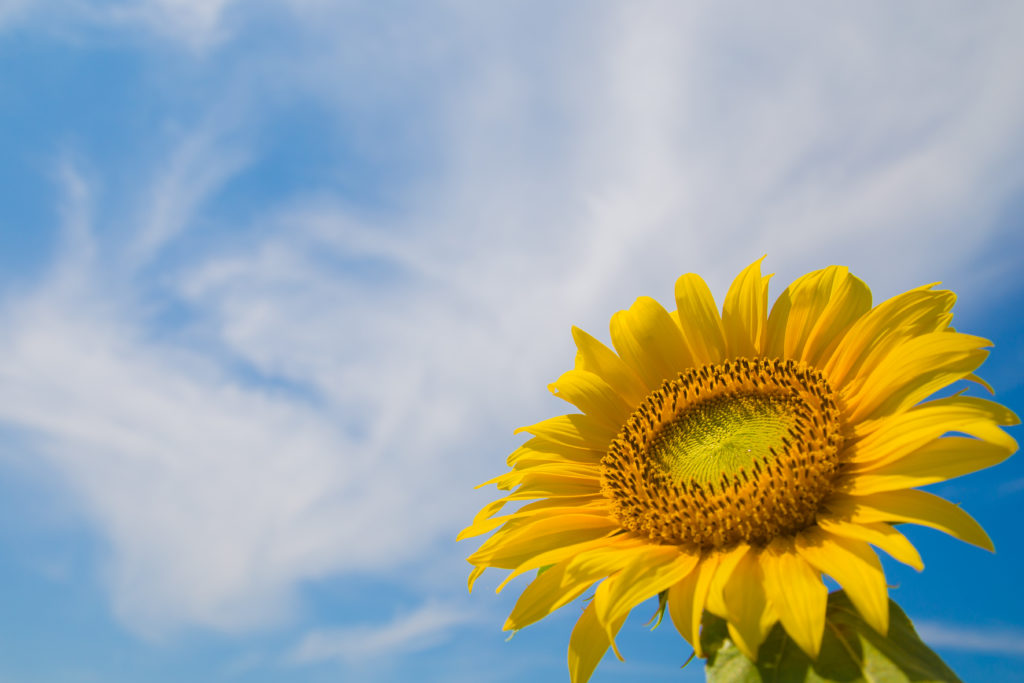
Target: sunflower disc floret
x,y
728,459
742,451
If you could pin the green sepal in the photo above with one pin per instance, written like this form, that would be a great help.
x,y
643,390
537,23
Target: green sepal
x,y
659,614
851,651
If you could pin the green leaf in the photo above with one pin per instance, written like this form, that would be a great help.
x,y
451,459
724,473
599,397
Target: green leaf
x,y
851,651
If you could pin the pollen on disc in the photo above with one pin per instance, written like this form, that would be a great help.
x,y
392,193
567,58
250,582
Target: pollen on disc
x,y
739,451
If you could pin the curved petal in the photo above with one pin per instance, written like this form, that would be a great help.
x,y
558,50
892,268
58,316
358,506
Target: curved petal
x,y
809,318
597,358
553,473
912,371
916,507
539,449
699,319
745,312
572,574
686,600
651,569
554,486
889,439
797,593
727,562
878,534
576,431
855,567
593,396
910,314
587,645
650,342
508,550
942,459
485,521
750,616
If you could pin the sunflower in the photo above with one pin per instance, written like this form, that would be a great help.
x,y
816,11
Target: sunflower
x,y
725,462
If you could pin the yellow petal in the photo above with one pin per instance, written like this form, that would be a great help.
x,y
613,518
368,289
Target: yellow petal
x,y
916,507
473,576
891,438
576,431
536,510
547,485
749,615
587,645
584,562
700,321
906,315
651,569
509,550
597,358
686,600
537,449
855,567
912,371
745,312
727,562
544,595
649,341
878,534
797,593
942,459
809,318
592,395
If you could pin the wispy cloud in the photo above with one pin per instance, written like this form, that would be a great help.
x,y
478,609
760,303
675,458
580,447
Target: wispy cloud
x,y
978,640
427,627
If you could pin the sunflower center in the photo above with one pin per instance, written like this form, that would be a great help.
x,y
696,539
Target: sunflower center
x,y
744,450
723,435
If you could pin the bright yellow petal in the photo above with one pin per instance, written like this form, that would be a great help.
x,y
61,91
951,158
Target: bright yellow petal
x,y
797,593
593,396
509,550
536,471
809,318
544,595
649,341
651,569
750,617
473,576
913,371
855,567
547,507
912,313
584,562
745,312
686,600
537,449
572,574
878,534
942,459
597,358
916,507
576,431
700,321
587,645
889,439
547,485
727,562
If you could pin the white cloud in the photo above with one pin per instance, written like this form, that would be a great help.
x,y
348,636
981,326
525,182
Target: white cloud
x,y
342,376
426,627
977,640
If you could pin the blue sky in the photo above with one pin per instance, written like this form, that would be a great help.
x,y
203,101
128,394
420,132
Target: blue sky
x,y
279,278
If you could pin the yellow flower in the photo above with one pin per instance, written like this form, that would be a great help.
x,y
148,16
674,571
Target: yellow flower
x,y
728,461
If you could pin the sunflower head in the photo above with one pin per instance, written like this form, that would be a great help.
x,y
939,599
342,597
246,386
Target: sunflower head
x,y
729,460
